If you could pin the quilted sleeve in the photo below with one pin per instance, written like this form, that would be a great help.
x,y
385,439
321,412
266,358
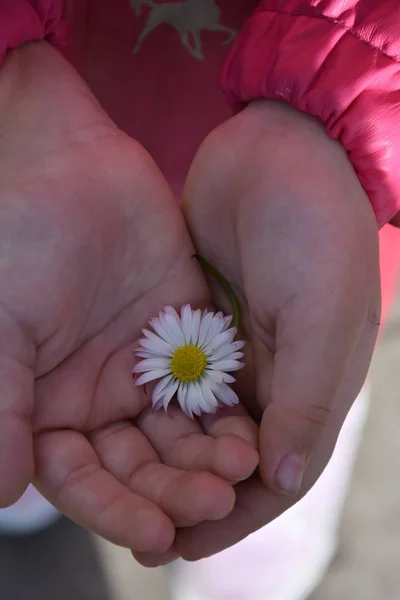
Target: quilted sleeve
x,y
340,61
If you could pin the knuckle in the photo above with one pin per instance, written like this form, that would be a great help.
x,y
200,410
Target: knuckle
x,y
313,415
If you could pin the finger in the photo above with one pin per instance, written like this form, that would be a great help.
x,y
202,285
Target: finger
x,y
71,477
182,443
309,367
16,448
152,559
188,498
228,427
231,420
255,507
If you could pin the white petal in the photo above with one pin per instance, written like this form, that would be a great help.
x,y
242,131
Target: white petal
x,y
182,395
151,336
166,396
199,400
162,331
228,378
225,351
217,376
151,375
216,326
196,318
226,365
186,316
234,356
149,364
174,327
225,394
157,405
161,387
145,354
209,397
192,400
170,393
223,339
148,334
169,310
158,346
227,322
204,327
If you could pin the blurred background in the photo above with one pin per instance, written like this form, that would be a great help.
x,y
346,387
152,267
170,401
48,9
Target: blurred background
x,y
64,562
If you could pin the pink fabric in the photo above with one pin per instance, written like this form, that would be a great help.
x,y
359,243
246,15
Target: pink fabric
x,y
31,20
338,60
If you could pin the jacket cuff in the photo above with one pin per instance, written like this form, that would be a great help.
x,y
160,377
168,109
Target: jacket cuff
x,y
323,67
31,20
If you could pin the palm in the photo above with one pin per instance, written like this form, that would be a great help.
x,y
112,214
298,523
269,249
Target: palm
x,y
92,245
307,277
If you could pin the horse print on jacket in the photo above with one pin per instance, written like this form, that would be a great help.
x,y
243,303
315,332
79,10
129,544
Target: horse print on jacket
x,y
188,17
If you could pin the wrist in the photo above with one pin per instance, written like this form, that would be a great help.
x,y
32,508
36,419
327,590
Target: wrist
x,y
270,159
23,70
44,103
289,151
278,125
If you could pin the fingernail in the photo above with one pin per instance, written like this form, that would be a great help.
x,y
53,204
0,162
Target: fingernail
x,y
289,475
153,560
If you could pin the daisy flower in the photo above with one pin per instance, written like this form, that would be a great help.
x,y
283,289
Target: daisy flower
x,y
192,356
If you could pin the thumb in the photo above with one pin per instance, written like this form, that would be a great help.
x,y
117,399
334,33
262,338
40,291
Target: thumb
x,y
318,369
16,447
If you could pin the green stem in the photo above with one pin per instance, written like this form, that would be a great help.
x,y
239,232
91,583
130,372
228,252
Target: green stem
x,y
225,286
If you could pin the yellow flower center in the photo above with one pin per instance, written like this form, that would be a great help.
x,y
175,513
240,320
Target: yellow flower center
x,y
188,363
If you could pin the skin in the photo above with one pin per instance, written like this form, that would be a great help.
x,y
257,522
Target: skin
x,y
92,245
275,206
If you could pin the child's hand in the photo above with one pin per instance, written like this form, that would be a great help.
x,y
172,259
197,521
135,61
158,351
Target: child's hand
x,y
92,244
276,207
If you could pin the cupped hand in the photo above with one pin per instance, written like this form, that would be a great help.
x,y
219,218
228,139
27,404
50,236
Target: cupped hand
x,y
276,207
92,244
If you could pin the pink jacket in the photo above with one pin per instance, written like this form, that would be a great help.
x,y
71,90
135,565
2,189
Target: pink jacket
x,y
155,65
